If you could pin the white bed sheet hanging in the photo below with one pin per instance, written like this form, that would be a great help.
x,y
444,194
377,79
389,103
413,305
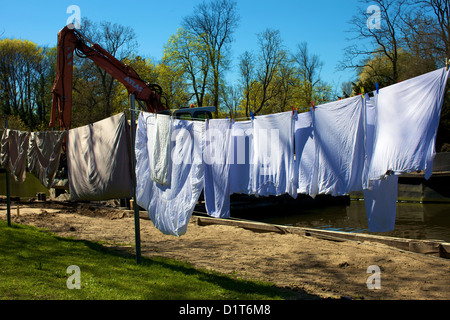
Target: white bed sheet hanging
x,y
339,141
305,153
217,158
170,207
273,147
407,120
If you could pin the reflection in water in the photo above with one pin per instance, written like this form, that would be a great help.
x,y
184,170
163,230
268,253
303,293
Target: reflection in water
x,y
413,220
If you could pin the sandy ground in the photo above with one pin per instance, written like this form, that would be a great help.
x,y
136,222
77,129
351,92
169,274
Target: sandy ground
x,y
314,268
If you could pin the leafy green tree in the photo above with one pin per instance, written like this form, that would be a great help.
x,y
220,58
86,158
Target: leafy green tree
x,y
25,80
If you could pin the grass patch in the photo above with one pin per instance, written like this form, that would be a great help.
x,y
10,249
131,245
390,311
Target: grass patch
x,y
33,266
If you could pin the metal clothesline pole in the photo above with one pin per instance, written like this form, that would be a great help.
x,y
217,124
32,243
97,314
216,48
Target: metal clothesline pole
x,y
133,165
8,189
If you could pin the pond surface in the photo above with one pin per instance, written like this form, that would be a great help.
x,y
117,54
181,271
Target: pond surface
x,y
429,221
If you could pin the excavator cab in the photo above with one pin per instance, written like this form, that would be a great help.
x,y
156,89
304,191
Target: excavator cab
x,y
199,113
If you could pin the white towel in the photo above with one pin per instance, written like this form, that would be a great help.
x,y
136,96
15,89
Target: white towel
x,y
160,161
381,204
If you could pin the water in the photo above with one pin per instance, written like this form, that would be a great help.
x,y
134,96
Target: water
x,y
426,221
413,220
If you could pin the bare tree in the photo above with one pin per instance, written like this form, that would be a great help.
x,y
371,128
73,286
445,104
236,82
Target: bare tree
x,y
119,41
385,40
271,58
231,99
214,23
427,28
309,66
247,73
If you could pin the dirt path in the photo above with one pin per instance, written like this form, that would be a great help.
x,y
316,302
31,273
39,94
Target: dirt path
x,y
316,267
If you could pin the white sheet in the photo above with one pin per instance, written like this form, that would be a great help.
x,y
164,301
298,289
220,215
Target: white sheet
x,y
305,152
241,167
380,196
98,160
339,141
273,144
407,120
217,157
170,207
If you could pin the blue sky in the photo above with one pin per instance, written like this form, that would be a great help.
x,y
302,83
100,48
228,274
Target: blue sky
x,y
323,24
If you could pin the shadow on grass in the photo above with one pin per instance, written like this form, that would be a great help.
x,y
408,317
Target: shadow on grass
x,y
226,282
42,248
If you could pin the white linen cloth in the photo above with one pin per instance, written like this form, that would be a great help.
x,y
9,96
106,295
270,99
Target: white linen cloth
x,y
339,142
305,152
241,162
14,153
44,153
160,161
273,147
217,158
170,207
98,160
380,196
407,120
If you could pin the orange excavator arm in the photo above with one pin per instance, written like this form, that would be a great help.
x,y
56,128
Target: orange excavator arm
x,y
70,41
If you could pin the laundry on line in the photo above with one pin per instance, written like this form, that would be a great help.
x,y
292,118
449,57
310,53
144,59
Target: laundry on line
x,y
362,143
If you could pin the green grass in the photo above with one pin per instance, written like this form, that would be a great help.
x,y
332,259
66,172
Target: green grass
x,y
33,266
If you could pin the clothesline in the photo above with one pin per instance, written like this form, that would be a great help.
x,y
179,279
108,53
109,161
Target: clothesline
x,y
341,147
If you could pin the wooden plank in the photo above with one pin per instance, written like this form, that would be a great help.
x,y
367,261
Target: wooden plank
x,y
436,248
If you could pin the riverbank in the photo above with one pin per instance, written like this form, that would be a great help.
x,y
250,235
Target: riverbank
x,y
314,267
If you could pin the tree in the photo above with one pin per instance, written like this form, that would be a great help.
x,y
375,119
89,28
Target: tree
x,y
25,80
185,52
271,57
94,89
247,74
231,100
385,40
309,67
214,23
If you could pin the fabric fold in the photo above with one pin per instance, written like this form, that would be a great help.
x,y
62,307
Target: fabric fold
x,y
241,167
